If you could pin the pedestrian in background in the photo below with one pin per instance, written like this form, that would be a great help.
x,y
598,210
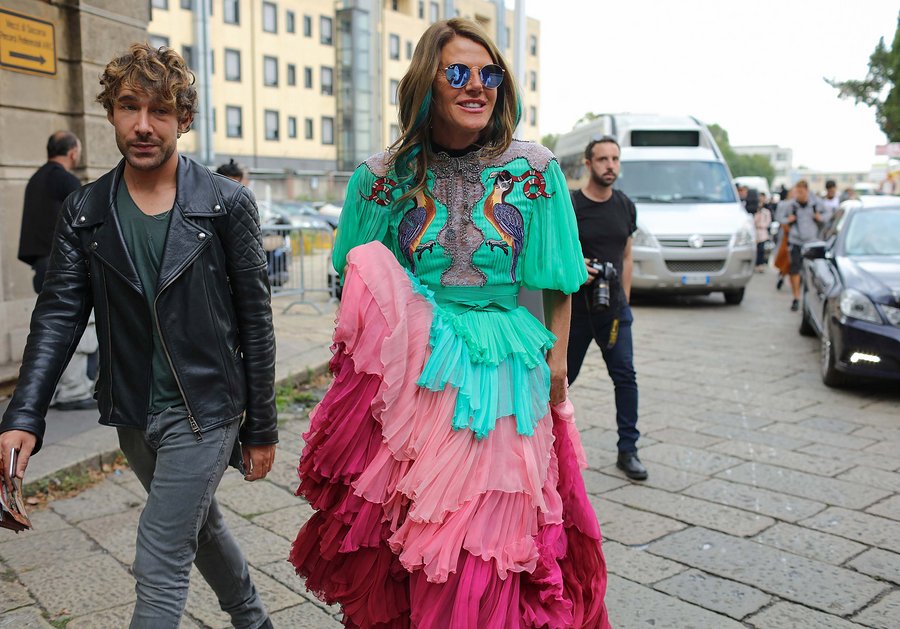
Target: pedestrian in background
x,y
830,201
168,255
607,219
762,220
443,460
233,170
805,217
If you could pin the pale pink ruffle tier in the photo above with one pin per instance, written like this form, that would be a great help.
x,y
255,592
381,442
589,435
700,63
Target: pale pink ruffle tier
x,y
418,525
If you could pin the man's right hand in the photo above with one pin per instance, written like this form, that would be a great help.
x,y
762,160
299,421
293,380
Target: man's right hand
x,y
792,219
592,272
20,440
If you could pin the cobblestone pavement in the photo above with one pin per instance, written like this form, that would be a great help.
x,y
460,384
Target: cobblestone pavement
x,y
772,501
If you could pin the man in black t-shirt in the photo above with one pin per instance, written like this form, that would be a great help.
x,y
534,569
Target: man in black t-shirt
x,y
607,219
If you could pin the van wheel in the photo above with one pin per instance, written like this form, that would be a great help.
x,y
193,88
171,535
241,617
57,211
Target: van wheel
x,y
831,377
734,297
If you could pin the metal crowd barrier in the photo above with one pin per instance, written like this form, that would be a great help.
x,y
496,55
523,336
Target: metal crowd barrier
x,y
299,260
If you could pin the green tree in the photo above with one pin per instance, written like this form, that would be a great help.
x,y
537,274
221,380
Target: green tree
x,y
742,165
880,88
549,140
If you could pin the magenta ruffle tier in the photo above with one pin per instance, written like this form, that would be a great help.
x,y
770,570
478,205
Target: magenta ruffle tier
x,y
419,525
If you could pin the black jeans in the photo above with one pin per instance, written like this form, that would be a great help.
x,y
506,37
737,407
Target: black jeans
x,y
619,358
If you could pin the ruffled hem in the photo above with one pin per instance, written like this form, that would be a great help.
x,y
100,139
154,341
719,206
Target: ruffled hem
x,y
416,523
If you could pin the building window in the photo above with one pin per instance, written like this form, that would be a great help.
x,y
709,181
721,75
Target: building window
x,y
212,118
434,12
271,118
421,9
325,35
395,85
158,41
308,128
307,77
187,53
327,130
508,38
395,133
532,80
289,22
187,5
409,50
292,127
532,44
394,4
533,112
291,74
394,46
160,4
270,71
307,26
212,62
231,11
270,17
327,81
232,65
234,124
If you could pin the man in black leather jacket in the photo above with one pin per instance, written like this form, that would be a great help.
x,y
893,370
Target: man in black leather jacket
x,y
169,257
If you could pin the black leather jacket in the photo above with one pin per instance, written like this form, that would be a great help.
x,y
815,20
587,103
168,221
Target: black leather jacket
x,y
213,305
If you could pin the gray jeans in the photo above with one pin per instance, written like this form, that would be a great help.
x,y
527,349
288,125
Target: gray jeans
x,y
182,523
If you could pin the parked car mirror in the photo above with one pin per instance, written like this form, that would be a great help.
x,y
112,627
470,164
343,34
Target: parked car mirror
x,y
814,250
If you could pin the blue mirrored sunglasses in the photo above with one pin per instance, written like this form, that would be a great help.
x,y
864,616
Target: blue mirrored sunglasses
x,y
458,75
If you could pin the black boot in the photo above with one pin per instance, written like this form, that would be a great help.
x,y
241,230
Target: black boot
x,y
629,463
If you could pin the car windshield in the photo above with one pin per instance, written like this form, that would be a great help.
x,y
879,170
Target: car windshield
x,y
874,233
676,182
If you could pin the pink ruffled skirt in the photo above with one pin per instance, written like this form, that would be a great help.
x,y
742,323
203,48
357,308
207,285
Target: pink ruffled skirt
x,y
420,525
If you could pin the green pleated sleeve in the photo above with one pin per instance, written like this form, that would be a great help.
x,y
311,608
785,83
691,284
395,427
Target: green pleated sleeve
x,y
362,220
552,253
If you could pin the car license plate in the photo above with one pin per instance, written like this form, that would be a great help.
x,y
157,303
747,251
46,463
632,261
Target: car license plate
x,y
694,280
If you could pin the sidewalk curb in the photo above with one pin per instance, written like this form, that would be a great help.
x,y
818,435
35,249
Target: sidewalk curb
x,y
96,460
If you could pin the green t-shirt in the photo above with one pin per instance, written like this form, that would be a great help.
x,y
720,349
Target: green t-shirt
x,y
145,237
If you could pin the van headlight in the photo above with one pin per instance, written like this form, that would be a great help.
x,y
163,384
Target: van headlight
x,y
744,237
855,304
643,238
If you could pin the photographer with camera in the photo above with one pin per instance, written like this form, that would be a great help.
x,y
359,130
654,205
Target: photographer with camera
x,y
607,219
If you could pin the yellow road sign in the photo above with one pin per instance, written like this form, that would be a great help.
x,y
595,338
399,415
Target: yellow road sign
x,y
27,44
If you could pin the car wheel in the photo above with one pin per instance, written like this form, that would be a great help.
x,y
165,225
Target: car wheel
x,y
734,297
806,327
830,375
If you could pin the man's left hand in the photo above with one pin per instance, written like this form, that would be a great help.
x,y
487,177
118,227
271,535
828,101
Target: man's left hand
x,y
257,461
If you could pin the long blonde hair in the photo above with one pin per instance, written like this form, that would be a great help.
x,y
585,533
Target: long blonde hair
x,y
410,153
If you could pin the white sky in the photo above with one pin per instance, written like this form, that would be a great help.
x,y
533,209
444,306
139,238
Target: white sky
x,y
756,68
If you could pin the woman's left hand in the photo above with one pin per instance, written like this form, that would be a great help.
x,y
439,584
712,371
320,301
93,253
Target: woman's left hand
x,y
558,384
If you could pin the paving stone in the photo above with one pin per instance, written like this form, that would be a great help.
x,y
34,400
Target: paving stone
x,y
828,588
783,615
805,542
636,564
853,457
605,440
821,436
687,438
755,499
29,551
305,616
782,458
631,526
283,572
690,459
260,545
94,502
46,520
885,614
26,618
881,433
862,527
828,490
115,617
91,584
660,477
831,425
632,605
878,563
692,511
719,595
734,420
253,498
117,533
597,483
887,449
872,477
760,436
13,596
285,522
233,520
889,508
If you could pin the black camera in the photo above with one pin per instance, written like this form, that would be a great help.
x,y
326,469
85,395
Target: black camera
x,y
600,288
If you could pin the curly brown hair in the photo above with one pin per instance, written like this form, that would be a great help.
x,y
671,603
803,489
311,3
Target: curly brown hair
x,y
158,71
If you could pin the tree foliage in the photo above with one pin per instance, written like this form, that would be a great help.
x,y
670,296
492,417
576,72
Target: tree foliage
x,y
742,165
549,140
880,88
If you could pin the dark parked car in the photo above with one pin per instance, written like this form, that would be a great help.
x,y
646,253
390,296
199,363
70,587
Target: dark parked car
x,y
851,295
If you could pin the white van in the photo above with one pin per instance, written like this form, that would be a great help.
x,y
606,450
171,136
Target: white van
x,y
693,236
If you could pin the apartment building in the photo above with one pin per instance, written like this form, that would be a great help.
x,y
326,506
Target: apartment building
x,y
300,89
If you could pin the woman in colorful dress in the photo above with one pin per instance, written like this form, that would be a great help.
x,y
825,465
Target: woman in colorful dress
x,y
443,463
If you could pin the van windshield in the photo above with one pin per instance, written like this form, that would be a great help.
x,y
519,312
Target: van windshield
x,y
676,182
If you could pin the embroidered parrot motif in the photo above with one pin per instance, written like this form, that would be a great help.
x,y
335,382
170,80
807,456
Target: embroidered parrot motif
x,y
412,228
506,219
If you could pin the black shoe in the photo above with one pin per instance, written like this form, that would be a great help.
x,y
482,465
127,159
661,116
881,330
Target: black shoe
x,y
86,404
779,283
795,306
629,463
